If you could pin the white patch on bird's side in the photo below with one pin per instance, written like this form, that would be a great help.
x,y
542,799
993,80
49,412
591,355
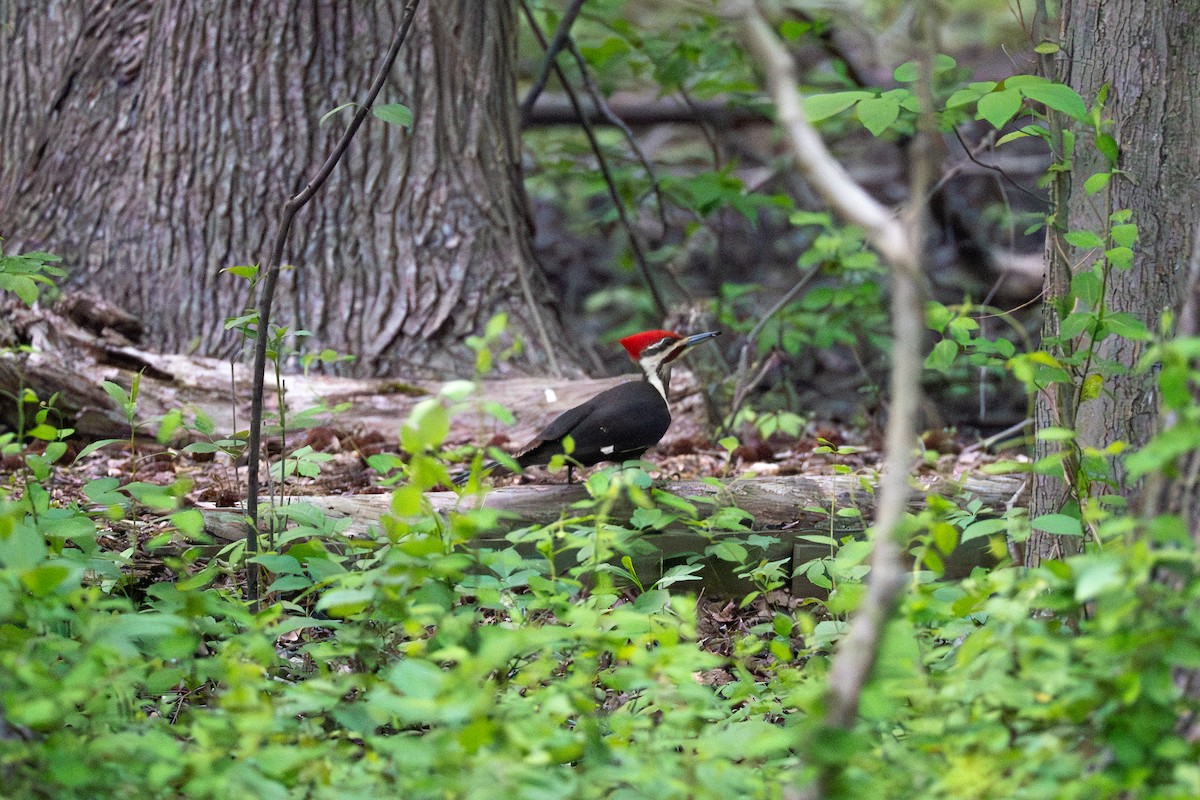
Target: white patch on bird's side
x,y
551,397
608,449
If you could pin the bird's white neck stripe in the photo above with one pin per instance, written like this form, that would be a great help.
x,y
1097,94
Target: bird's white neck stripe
x,y
657,382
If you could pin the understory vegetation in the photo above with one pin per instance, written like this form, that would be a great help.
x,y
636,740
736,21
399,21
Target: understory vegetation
x,y
411,661
405,659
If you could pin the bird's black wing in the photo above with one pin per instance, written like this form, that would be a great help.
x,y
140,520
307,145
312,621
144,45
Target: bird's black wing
x,y
622,422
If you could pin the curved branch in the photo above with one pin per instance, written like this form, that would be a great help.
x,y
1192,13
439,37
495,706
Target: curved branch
x,y
561,35
635,242
271,267
901,244
813,160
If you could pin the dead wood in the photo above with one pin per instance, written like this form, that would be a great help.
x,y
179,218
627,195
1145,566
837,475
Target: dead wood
x,y
774,502
71,355
782,506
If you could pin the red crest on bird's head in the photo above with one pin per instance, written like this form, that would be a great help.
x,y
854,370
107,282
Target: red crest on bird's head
x,y
636,343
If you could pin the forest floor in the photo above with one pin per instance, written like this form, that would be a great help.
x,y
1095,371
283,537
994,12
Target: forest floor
x,y
208,480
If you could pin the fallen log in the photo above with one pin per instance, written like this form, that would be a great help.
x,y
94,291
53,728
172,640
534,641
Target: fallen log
x,y
72,354
788,508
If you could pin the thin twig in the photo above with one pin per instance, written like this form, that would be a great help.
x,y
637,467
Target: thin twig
x,y
561,36
986,444
743,387
635,243
993,167
271,267
601,104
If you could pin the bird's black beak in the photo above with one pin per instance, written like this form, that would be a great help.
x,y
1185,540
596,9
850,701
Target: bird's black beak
x,y
697,338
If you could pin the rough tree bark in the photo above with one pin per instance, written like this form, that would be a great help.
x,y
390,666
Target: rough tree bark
x,y
151,144
1153,67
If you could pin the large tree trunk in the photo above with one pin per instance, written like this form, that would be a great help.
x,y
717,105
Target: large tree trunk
x,y
1152,104
152,144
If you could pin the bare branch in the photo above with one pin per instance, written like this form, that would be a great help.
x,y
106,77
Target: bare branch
x,y
638,111
602,106
635,241
561,35
813,160
901,244
271,268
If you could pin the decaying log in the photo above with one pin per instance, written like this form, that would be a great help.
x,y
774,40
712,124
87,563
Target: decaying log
x,y
773,502
71,356
783,506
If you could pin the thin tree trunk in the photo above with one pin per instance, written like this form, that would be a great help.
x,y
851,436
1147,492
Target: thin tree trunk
x,y
1152,67
151,144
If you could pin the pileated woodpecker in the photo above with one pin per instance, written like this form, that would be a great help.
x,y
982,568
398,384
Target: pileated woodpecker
x,y
620,423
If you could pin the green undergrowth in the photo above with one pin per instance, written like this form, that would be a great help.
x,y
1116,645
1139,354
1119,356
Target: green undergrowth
x,y
413,662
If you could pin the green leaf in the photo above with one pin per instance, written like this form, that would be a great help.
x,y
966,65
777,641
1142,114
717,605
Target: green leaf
x,y
1046,48
651,601
116,392
394,113
643,518
909,71
729,551
1097,182
1084,239
1128,326
1087,287
792,29
22,547
999,107
1092,385
677,503
1096,575
1120,257
170,422
427,426
963,97
20,285
937,316
54,451
200,579
1013,135
1056,434
1057,97
279,564
1076,323
47,433
1124,235
822,106
245,271
345,602
1058,524
190,522
290,583
94,446
983,527
878,113
45,579
496,325
942,356
1107,146
906,72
